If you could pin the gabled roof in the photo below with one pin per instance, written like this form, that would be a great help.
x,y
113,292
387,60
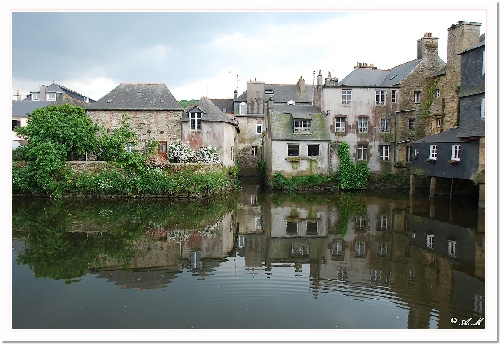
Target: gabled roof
x,y
64,90
211,113
137,96
224,104
282,126
24,108
368,77
449,135
283,93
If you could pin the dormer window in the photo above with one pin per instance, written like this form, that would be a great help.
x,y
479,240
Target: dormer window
x,y
269,93
302,125
35,96
290,102
51,97
195,120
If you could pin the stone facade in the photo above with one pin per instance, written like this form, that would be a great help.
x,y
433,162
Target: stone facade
x,y
158,125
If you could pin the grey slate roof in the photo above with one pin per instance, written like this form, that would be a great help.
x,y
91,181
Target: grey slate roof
x,y
367,77
137,96
60,89
282,127
211,113
24,108
282,93
449,135
224,104
475,46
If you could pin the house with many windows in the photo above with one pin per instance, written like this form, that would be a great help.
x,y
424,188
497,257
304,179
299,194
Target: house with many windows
x,y
375,110
458,154
205,125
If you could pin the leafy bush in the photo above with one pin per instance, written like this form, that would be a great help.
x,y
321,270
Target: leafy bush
x,y
351,175
208,155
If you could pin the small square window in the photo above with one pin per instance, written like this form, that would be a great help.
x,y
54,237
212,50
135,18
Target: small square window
x,y
312,150
293,150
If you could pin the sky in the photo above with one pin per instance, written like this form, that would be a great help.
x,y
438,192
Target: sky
x,y
198,52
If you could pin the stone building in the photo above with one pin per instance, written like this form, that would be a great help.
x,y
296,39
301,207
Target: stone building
x,y
152,111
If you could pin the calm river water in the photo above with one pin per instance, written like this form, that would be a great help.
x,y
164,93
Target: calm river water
x,y
252,260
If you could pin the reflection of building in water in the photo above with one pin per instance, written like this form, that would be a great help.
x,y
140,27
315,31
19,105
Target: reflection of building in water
x,y
249,212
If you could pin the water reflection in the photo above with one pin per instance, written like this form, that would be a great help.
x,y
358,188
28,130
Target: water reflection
x,y
425,257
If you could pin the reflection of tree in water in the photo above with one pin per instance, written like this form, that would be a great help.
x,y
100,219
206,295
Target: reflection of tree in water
x,y
63,238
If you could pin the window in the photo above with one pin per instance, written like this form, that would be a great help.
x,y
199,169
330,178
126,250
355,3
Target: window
x,y
292,228
380,97
482,108
363,152
302,126
162,147
433,152
346,96
258,129
15,123
241,241
360,222
363,125
254,150
385,125
382,222
382,249
257,223
293,150
438,93
312,150
253,199
438,122
195,119
337,248
416,97
340,124
51,97
429,240
384,152
408,153
482,70
452,247
455,152
393,96
130,147
36,96
359,249
411,123
312,228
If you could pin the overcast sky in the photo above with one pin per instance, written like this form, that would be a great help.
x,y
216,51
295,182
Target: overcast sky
x,y
213,53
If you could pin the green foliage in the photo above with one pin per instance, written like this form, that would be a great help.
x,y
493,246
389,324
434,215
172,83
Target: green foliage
x,y
351,175
111,144
280,182
349,205
261,168
187,103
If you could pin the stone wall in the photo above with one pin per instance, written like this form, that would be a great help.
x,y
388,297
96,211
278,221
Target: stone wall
x,y
161,125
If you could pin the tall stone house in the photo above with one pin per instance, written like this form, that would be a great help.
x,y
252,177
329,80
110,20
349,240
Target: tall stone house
x,y
457,155
375,110
153,113
205,125
250,109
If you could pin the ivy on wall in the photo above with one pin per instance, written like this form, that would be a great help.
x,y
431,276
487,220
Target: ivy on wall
x,y
351,175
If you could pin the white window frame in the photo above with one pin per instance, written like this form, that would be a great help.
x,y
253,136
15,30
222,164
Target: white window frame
x,y
254,150
383,220
393,96
340,124
293,144
433,152
302,126
130,147
385,125
195,120
455,152
429,239
416,97
411,123
359,249
346,97
363,152
362,124
35,96
380,96
438,122
438,93
51,97
452,248
258,129
385,152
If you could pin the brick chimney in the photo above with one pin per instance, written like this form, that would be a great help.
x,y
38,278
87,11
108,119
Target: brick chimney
x,y
43,93
302,85
320,78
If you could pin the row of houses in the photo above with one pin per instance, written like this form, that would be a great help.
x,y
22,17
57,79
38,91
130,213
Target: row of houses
x,y
425,113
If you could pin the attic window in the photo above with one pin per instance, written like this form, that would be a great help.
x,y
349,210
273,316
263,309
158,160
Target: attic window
x,y
392,77
302,126
290,102
110,100
269,92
